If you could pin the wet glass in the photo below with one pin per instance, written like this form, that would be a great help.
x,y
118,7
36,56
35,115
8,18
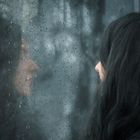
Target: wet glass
x,y
63,39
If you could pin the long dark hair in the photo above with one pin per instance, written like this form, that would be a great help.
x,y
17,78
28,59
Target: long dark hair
x,y
10,46
117,112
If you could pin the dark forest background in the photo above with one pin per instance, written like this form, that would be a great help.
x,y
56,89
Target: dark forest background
x,y
64,38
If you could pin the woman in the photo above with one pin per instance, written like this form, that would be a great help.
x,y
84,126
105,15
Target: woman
x,y
117,111
16,73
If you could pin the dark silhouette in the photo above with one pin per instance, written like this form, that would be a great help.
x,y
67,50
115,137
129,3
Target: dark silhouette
x,y
116,115
16,122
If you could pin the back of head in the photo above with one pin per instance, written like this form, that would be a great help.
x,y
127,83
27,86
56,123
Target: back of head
x,y
119,106
10,42
10,46
118,31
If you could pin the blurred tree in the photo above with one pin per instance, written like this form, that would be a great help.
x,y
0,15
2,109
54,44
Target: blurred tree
x,y
40,12
89,48
97,10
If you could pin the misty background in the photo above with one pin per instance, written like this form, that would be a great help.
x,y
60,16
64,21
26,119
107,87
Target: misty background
x,y
64,39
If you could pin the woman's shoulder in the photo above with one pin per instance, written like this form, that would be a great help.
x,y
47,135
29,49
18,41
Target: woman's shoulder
x,y
135,136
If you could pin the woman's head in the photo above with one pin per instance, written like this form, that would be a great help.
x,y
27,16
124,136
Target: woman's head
x,y
119,105
118,41
16,66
